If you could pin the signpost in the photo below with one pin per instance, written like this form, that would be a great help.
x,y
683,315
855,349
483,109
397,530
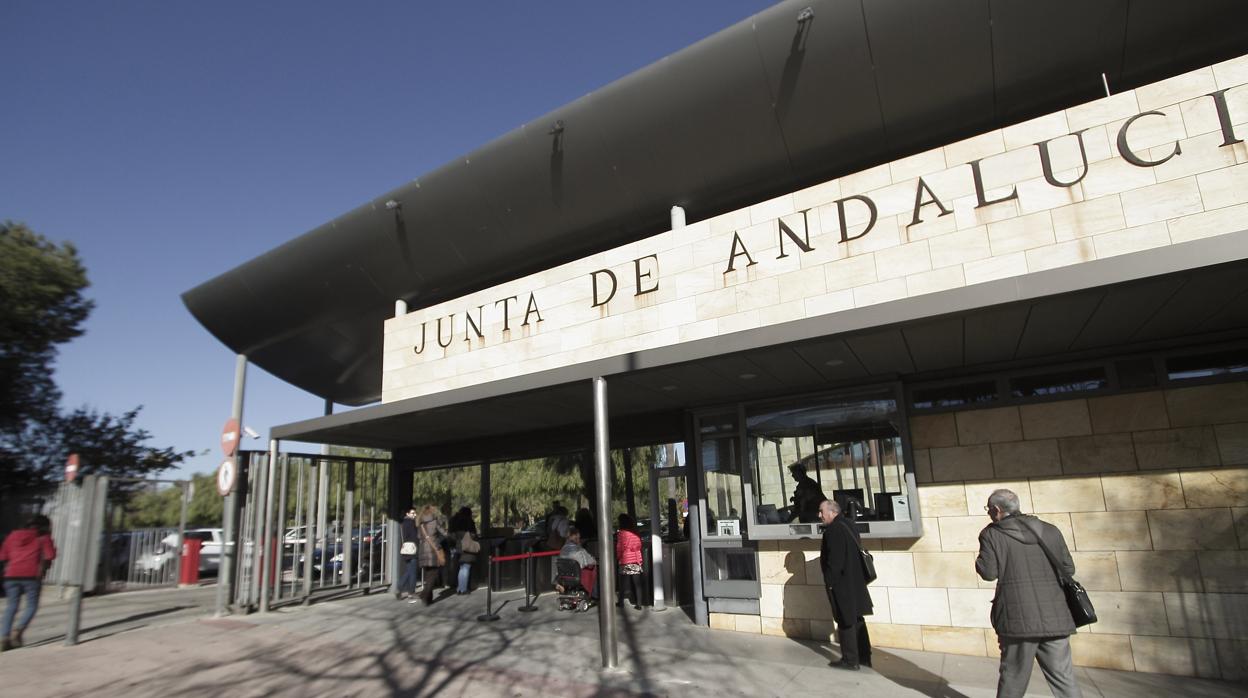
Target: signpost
x,y
227,475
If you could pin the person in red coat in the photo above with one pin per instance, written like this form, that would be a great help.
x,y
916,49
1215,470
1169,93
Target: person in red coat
x,y
27,553
628,557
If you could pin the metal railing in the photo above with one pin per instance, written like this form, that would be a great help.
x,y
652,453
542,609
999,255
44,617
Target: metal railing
x,y
326,528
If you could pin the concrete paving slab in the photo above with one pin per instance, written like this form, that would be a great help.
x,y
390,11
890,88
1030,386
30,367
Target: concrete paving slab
x,y
376,645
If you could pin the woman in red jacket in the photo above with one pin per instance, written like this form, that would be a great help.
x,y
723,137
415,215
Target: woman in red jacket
x,y
628,557
27,553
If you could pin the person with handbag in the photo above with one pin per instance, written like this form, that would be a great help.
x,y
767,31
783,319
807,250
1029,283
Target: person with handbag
x,y
1029,610
464,533
432,556
845,579
27,554
408,547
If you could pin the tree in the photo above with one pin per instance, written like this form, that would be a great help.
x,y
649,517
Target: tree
x,y
162,507
41,306
105,444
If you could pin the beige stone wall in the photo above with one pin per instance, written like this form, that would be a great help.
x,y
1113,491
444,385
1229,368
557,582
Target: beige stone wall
x,y
1118,208
1150,490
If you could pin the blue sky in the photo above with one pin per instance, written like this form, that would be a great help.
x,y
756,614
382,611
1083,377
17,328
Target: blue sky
x,y
172,141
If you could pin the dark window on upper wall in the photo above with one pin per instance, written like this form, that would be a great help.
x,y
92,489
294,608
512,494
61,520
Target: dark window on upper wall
x,y
975,393
1221,363
1078,380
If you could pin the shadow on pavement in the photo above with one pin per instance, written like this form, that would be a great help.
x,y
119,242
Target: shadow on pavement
x,y
110,624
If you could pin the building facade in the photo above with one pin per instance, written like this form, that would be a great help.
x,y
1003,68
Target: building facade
x,y
1058,306
1105,425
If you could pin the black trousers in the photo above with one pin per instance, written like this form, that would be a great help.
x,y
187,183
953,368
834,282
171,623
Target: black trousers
x,y
432,579
852,635
855,642
630,587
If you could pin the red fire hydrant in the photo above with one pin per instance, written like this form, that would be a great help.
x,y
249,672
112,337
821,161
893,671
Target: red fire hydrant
x,y
190,561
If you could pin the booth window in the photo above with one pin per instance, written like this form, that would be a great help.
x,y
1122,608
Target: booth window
x,y
846,447
722,467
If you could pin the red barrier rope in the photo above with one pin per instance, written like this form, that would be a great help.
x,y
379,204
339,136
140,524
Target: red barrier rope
x,y
523,556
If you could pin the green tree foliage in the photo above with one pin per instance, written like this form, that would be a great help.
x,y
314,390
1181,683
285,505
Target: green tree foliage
x,y
105,444
162,507
42,306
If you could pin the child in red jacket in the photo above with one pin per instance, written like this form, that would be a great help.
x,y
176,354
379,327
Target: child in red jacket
x,y
628,557
27,553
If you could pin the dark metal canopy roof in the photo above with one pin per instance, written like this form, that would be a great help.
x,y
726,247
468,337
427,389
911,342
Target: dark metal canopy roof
x,y
764,107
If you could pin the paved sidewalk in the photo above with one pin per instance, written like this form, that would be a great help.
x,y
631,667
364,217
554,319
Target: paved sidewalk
x,y
376,646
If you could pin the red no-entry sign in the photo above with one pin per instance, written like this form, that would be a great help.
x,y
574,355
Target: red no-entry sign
x,y
71,468
229,437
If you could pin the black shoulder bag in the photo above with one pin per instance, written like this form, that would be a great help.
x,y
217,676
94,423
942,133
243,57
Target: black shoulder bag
x,y
1077,600
868,562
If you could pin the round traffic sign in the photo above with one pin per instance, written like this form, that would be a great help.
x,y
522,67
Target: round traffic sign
x,y
226,475
71,467
230,437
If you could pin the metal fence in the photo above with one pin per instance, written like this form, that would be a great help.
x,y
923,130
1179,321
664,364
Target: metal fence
x,y
77,515
317,523
145,557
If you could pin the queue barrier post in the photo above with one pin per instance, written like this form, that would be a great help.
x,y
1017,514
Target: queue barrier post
x,y
528,606
489,593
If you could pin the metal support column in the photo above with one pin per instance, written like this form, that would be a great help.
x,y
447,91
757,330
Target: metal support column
x,y
658,571
309,543
606,556
485,498
267,535
348,528
225,572
279,532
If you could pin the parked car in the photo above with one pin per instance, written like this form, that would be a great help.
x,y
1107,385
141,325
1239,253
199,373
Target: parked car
x,y
209,552
367,546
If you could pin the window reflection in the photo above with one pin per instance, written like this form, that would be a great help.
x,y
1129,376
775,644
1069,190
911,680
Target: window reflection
x,y
846,448
723,485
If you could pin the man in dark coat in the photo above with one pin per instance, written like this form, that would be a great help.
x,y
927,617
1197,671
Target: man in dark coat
x,y
1029,609
806,495
840,558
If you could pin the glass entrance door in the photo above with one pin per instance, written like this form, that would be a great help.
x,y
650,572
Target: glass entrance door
x,y
669,526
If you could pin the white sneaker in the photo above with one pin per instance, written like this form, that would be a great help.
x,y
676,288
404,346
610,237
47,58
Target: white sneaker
x,y
414,599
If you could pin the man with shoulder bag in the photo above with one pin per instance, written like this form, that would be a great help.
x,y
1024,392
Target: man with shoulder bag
x,y
845,579
1028,558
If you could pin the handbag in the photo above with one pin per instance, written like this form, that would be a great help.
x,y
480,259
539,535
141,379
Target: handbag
x,y
438,552
408,548
468,544
868,566
1081,609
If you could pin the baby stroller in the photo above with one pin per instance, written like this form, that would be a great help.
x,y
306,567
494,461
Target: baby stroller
x,y
571,579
